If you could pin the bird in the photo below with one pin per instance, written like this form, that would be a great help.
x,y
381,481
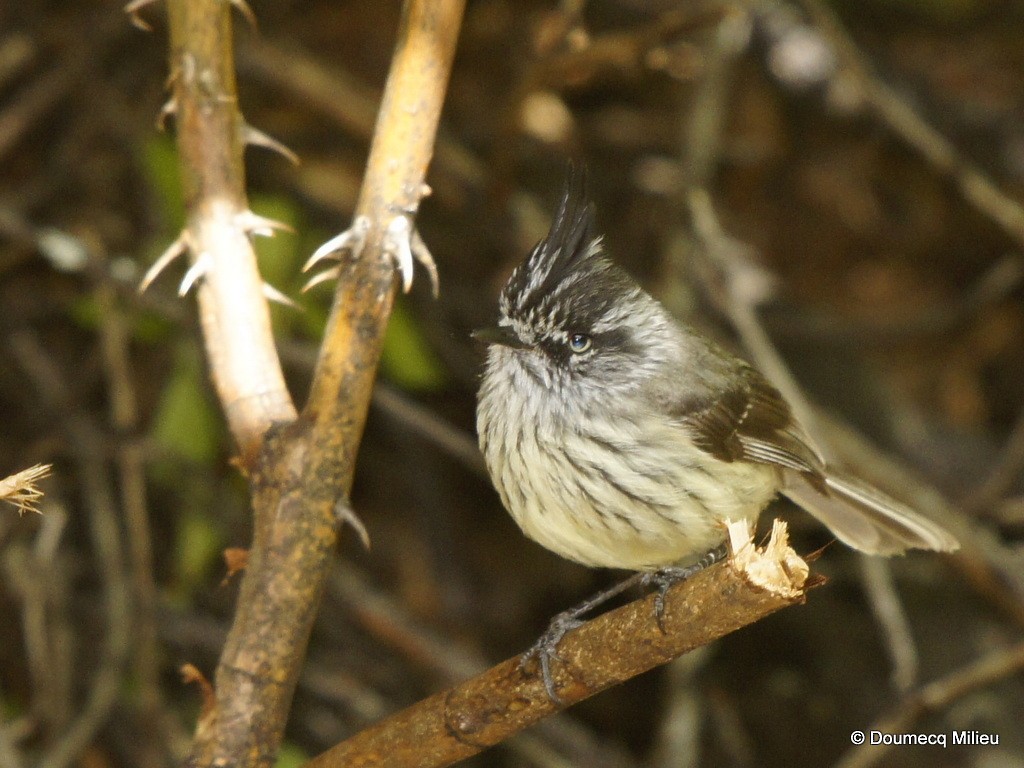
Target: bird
x,y
620,437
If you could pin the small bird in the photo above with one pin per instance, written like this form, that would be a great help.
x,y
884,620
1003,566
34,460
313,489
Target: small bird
x,y
620,437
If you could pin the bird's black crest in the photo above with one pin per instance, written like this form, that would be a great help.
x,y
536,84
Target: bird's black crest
x,y
567,247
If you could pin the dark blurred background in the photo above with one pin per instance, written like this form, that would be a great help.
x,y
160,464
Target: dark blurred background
x,y
886,272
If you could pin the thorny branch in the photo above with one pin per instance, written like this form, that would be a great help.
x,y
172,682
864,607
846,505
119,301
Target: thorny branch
x,y
232,308
304,469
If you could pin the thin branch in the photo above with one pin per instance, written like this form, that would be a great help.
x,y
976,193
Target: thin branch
x,y
620,52
124,418
233,312
612,648
934,697
85,440
894,110
876,576
351,104
1001,477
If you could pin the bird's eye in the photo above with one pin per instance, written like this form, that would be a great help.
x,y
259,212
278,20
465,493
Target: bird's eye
x,y
580,343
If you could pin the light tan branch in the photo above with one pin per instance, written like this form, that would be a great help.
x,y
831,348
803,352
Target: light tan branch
x,y
234,314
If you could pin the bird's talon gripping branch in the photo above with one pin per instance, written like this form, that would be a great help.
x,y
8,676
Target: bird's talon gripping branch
x,y
545,650
666,578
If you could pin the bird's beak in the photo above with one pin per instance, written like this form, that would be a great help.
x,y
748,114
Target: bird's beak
x,y
499,334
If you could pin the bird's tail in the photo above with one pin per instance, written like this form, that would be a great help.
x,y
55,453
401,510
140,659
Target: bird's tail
x,y
866,519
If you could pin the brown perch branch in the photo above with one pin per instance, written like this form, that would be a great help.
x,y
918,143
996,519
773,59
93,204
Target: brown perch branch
x,y
614,647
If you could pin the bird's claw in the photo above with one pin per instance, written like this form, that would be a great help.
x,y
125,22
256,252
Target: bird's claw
x,y
545,650
666,578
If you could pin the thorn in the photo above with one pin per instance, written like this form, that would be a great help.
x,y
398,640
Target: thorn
x,y
174,250
397,244
322,277
133,8
352,240
257,138
404,244
424,257
345,514
271,293
169,108
199,268
245,10
255,224
191,674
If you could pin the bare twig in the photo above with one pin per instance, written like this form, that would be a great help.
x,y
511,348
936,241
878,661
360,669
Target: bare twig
x,y
85,441
876,575
614,647
10,755
617,52
934,697
1005,471
351,104
132,486
894,110
39,579
38,98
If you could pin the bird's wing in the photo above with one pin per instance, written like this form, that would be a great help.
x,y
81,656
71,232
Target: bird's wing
x,y
750,421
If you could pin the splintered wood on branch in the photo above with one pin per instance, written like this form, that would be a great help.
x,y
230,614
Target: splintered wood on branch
x,y
614,647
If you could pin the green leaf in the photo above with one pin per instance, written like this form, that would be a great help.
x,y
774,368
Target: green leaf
x,y
291,756
406,358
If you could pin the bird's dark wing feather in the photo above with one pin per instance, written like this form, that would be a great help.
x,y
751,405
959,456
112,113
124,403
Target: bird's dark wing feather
x,y
751,421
